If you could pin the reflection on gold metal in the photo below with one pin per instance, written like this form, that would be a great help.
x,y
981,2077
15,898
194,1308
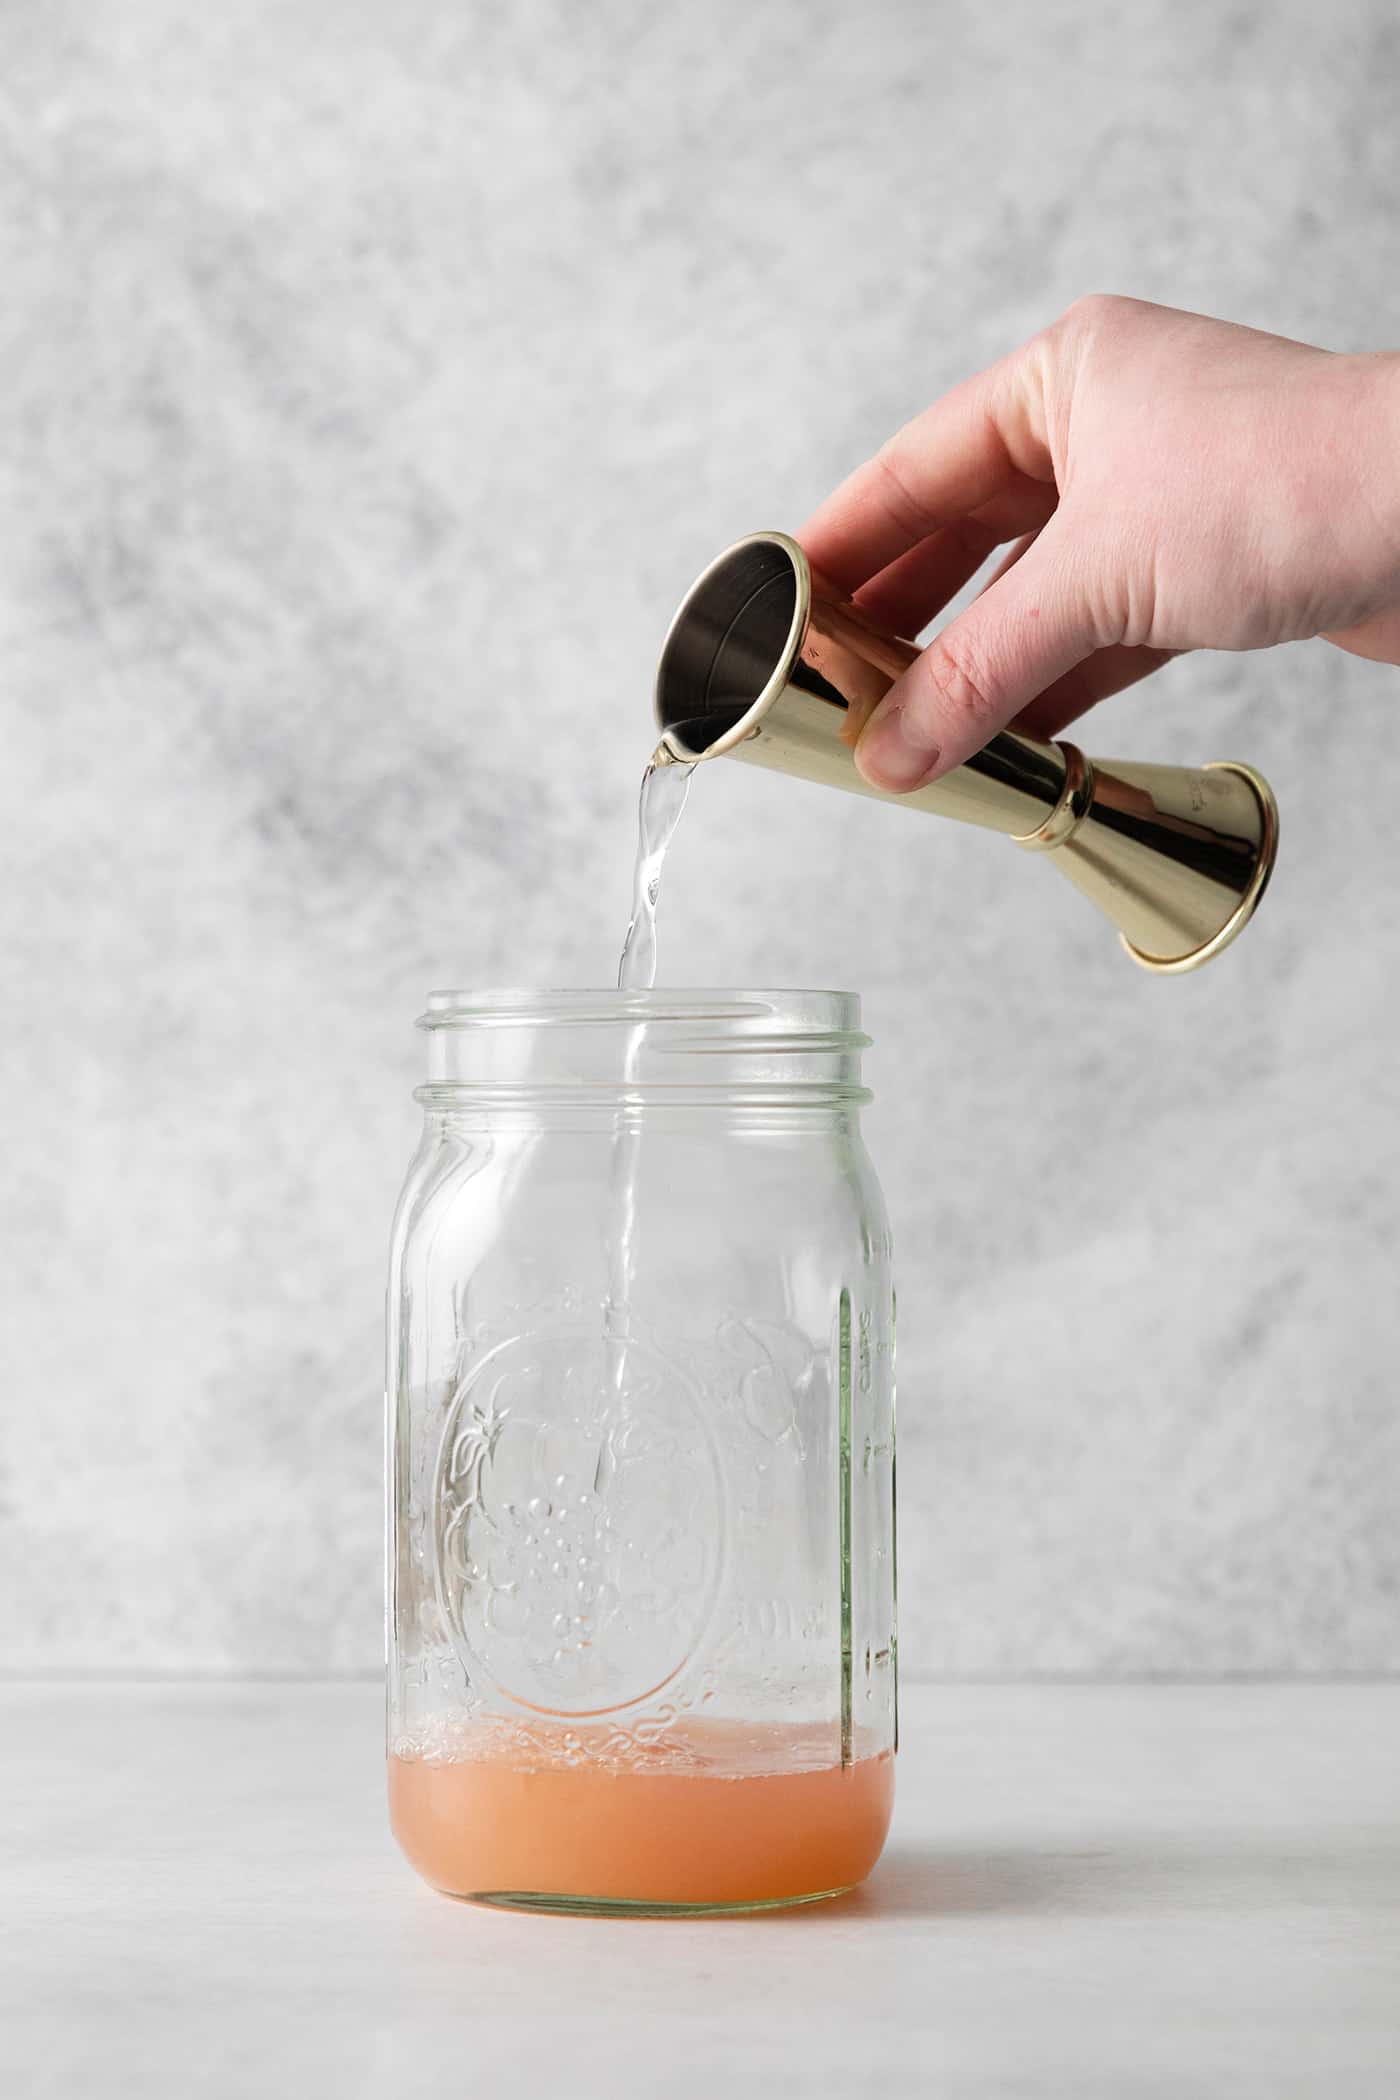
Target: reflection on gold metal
x,y
765,662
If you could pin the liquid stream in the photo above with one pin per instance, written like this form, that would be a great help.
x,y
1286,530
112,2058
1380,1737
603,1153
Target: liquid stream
x,y
659,807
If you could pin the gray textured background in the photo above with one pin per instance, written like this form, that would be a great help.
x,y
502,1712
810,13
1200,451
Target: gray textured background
x,y
375,378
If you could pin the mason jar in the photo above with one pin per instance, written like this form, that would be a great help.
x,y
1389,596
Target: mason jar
x,y
642,1648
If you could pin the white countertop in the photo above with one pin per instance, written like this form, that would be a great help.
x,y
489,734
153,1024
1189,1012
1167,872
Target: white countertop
x,y
1090,1890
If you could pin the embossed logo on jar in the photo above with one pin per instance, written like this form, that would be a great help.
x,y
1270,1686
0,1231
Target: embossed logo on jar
x,y
579,1521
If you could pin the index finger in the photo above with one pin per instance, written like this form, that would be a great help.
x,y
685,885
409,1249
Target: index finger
x,y
957,455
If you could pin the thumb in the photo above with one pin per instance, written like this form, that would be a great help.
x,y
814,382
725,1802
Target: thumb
x,y
1030,626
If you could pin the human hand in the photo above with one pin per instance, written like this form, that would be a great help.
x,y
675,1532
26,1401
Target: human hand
x,y
1171,482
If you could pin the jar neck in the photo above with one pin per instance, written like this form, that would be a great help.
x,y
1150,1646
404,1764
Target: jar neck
x,y
644,1054
461,1115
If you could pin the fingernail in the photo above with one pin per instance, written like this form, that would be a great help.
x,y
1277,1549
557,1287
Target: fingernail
x,y
894,753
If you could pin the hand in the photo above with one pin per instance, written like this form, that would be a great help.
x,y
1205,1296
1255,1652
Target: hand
x,y
1170,483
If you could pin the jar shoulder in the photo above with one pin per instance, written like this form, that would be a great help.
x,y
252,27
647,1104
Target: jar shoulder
x,y
678,1185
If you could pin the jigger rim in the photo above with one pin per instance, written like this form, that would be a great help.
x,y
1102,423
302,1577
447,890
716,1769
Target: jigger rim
x,y
1179,965
777,678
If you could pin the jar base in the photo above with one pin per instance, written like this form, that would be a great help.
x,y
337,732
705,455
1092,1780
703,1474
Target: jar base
x,y
617,1907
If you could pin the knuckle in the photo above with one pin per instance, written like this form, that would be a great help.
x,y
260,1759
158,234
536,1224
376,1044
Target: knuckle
x,y
1091,311
908,512
962,682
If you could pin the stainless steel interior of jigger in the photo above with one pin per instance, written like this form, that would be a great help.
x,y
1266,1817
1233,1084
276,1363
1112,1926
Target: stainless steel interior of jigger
x,y
729,647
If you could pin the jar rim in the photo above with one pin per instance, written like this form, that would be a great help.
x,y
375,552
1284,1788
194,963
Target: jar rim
x,y
798,1013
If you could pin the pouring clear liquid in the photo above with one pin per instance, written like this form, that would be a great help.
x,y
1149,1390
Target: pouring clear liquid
x,y
659,806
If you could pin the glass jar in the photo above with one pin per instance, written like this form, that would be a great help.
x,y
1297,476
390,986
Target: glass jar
x,y
641,1456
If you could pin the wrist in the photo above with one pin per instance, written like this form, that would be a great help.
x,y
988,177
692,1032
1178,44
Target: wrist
x,y
1364,446
1378,459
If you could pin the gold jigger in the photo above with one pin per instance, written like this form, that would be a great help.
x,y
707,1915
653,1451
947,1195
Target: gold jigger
x,y
765,661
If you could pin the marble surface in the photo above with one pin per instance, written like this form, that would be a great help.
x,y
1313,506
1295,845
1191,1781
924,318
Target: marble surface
x,y
371,394
1096,1892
